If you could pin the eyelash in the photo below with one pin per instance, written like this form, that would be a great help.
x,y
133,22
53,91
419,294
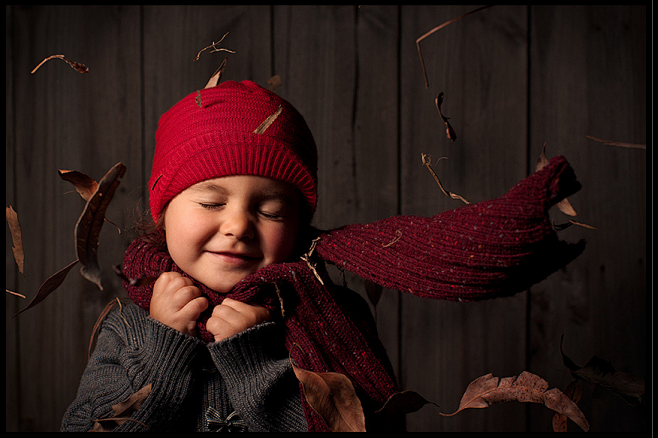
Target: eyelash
x,y
216,206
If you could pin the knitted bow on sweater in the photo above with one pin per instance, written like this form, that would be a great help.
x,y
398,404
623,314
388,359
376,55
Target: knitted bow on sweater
x,y
485,250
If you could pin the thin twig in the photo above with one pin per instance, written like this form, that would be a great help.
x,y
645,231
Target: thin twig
x,y
437,28
618,143
427,162
215,49
80,68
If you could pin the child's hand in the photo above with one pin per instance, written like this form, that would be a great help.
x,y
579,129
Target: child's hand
x,y
232,317
176,302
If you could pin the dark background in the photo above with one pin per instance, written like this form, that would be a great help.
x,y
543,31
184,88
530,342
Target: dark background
x,y
514,78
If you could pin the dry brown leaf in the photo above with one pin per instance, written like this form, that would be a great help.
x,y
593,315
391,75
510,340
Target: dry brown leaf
x,y
427,162
601,373
80,68
564,205
574,391
526,388
52,283
274,82
450,132
437,28
14,293
566,225
268,121
217,76
618,143
90,222
333,397
404,402
122,411
16,237
83,183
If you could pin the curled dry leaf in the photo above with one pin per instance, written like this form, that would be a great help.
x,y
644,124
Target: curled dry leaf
x,y
217,76
450,132
274,82
618,143
427,162
83,183
574,391
404,402
437,28
564,205
333,397
52,283
16,237
601,373
122,411
90,222
526,388
80,68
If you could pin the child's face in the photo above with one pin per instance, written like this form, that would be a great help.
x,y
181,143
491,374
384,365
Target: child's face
x,y
221,230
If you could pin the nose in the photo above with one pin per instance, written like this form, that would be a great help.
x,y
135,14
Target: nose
x,y
239,224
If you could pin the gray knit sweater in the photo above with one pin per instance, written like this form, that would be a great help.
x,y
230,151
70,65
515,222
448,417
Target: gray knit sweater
x,y
245,382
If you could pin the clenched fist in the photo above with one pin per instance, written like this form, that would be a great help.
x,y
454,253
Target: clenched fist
x,y
232,317
177,303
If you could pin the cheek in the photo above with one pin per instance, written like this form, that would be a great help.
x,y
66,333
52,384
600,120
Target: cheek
x,y
184,235
279,243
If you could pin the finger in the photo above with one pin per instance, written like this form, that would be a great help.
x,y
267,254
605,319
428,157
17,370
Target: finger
x,y
194,308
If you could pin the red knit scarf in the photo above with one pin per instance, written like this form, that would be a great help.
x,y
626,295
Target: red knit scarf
x,y
489,249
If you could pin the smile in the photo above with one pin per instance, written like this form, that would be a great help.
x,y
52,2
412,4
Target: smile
x,y
234,258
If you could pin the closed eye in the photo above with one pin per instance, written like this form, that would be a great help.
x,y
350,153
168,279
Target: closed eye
x,y
211,206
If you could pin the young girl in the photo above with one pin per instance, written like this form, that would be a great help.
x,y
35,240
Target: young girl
x,y
241,288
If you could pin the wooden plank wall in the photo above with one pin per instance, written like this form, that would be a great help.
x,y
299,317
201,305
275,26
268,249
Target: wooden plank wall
x,y
515,77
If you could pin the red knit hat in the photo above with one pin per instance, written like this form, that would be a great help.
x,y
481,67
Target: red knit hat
x,y
215,132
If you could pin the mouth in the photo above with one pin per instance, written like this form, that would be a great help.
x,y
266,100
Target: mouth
x,y
235,258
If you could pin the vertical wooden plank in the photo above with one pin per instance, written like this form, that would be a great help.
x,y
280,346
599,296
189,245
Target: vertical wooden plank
x,y
173,36
339,68
588,77
480,65
376,144
12,368
65,120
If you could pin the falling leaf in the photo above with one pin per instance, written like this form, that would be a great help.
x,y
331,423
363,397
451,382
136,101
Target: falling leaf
x,y
618,143
122,411
601,373
449,131
16,237
88,227
80,68
526,388
404,402
374,292
214,48
268,121
15,293
217,76
274,82
566,225
437,28
52,283
333,397
139,281
427,161
574,392
564,205
83,183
